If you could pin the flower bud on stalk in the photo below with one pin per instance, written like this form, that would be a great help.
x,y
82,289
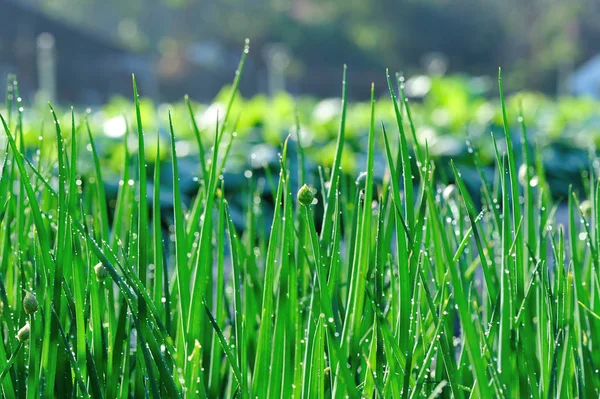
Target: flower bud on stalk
x,y
305,195
23,333
101,272
30,303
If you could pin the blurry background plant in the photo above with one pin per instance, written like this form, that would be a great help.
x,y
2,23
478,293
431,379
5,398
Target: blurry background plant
x,y
450,112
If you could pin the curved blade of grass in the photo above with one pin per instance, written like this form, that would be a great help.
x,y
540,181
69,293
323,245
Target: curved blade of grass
x,y
239,310
404,102
123,204
359,273
142,232
11,361
34,205
406,166
201,152
487,264
521,267
225,346
99,184
181,265
335,170
472,342
260,380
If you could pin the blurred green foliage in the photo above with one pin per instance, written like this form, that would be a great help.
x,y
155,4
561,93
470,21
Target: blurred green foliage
x,y
452,111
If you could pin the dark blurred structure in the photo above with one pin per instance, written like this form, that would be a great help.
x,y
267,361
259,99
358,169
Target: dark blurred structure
x,y
585,81
193,46
69,64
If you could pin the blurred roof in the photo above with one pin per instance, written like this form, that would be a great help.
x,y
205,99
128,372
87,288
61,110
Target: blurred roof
x,y
14,11
585,80
85,68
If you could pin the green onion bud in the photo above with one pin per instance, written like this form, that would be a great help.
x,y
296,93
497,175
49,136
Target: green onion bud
x,y
305,195
586,207
30,303
23,333
101,272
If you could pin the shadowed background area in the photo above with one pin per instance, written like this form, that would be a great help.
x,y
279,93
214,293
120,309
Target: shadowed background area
x,y
83,51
